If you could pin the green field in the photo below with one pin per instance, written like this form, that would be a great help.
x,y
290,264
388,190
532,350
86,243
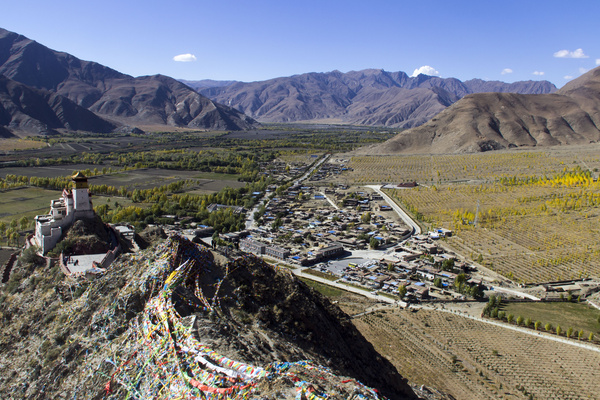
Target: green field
x,y
25,202
31,201
325,290
575,315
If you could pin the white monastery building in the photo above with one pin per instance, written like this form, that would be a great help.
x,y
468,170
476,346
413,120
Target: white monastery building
x,y
75,204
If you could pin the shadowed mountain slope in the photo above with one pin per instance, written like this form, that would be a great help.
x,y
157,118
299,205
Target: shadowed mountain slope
x,y
34,111
492,121
145,100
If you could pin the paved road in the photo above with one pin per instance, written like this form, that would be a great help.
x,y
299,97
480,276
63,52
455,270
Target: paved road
x,y
401,213
310,171
499,289
330,201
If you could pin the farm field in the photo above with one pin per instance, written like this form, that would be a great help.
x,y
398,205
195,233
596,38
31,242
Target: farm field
x,y
50,171
25,202
538,210
438,169
12,144
474,360
527,232
575,315
148,178
143,178
31,201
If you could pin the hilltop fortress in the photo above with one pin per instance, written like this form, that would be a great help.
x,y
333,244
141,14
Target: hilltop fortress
x,y
74,204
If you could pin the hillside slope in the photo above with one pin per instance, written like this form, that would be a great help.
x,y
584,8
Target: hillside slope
x,y
492,121
145,100
170,321
34,111
367,97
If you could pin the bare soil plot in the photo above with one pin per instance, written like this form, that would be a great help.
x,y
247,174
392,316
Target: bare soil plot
x,y
474,360
5,255
20,144
300,158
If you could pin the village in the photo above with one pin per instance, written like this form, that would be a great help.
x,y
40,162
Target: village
x,y
354,236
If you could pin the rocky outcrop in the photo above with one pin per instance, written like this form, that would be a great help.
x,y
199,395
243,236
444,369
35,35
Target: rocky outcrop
x,y
178,319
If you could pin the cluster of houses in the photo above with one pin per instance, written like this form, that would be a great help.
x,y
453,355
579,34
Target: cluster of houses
x,y
329,169
282,171
315,224
417,265
308,226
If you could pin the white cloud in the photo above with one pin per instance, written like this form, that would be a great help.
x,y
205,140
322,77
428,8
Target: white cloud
x,y
583,70
597,61
506,71
570,54
538,73
568,77
425,70
185,57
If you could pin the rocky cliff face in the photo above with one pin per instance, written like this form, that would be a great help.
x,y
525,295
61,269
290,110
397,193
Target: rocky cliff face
x,y
177,319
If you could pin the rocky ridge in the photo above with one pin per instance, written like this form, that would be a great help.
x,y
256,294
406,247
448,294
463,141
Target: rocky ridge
x,y
367,97
495,121
179,319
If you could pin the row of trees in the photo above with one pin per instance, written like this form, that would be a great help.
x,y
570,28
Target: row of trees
x,y
492,310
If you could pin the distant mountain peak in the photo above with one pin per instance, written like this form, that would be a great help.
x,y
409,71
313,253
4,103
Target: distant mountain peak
x,y
345,96
493,121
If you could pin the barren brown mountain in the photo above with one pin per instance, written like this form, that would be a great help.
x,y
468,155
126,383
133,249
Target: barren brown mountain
x,y
367,97
110,94
492,121
35,111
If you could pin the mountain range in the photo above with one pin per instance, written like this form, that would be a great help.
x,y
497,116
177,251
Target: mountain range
x,y
367,97
493,121
42,90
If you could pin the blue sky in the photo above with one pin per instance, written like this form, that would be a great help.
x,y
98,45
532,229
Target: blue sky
x,y
257,40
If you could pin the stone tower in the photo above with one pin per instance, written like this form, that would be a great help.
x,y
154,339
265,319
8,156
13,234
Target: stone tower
x,y
81,193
